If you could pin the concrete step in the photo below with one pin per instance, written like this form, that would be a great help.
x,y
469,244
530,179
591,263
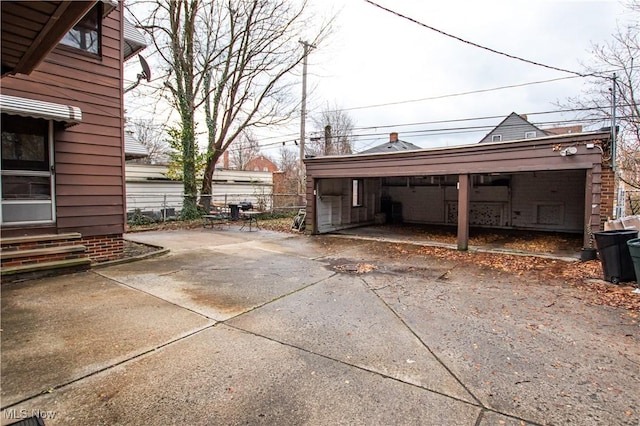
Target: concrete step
x,y
34,256
37,269
8,255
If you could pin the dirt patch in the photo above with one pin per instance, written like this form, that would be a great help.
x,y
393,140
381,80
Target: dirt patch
x,y
218,300
133,249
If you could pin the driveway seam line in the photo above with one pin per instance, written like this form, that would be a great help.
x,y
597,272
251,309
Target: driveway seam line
x,y
155,296
478,403
114,365
278,298
479,419
422,342
480,406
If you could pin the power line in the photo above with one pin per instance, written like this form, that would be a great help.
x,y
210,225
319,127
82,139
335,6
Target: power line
x,y
465,129
475,44
376,136
490,117
452,95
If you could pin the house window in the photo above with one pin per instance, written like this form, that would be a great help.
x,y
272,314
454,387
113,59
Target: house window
x,y
529,135
87,34
27,182
357,192
496,138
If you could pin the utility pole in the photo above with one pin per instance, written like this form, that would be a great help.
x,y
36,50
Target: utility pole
x,y
327,139
303,116
614,133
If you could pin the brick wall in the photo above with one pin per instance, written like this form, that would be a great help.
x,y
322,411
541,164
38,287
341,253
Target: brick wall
x,y
104,247
12,248
261,164
607,195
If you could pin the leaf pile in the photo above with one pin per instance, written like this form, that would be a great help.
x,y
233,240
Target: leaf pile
x,y
357,268
586,276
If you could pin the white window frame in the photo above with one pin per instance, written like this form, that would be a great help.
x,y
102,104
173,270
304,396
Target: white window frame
x,y
357,192
52,182
496,138
530,135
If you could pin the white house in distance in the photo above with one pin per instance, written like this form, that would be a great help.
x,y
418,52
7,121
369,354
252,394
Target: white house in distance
x,y
150,191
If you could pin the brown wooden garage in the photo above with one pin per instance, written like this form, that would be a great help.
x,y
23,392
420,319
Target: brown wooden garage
x,y
549,184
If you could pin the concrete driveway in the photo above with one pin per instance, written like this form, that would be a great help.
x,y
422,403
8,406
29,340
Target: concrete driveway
x,y
264,328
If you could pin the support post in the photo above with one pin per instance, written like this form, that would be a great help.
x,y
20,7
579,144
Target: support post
x,y
303,117
588,211
464,196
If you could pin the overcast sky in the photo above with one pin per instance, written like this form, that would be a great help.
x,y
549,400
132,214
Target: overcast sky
x,y
375,57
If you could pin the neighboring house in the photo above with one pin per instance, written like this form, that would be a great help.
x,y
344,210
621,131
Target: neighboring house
x,y
514,127
261,164
553,183
63,156
394,145
150,191
133,149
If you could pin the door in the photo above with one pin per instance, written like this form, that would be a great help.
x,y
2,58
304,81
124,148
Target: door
x,y
27,188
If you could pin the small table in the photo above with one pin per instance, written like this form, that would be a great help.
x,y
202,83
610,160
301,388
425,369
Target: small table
x,y
215,220
250,218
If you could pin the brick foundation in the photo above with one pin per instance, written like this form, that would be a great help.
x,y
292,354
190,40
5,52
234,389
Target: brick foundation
x,y
607,195
104,247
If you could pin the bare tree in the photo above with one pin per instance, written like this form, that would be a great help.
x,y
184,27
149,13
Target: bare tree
x,y
243,149
289,161
178,29
334,133
231,59
256,44
153,137
289,164
617,57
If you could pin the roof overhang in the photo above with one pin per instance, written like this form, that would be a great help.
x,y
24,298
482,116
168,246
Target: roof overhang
x,y
67,114
134,42
133,149
31,29
499,157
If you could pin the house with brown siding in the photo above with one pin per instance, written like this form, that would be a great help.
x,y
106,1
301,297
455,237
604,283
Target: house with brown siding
x,y
551,183
62,130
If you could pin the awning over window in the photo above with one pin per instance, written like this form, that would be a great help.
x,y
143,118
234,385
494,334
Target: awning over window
x,y
134,41
24,107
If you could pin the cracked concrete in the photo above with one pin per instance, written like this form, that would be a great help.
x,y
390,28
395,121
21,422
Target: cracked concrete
x,y
262,328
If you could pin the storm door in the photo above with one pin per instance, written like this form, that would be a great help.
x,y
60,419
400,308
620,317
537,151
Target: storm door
x,y
27,187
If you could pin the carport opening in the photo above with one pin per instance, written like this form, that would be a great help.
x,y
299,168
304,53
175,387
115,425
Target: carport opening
x,y
541,211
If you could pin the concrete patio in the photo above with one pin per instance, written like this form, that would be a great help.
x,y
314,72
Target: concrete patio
x,y
266,328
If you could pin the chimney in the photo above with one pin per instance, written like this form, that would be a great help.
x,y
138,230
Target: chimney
x,y
225,161
393,137
523,116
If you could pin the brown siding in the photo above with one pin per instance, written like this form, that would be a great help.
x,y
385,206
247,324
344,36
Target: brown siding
x,y
89,176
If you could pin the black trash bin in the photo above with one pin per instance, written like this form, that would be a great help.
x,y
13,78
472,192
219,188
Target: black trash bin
x,y
235,211
634,251
617,264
